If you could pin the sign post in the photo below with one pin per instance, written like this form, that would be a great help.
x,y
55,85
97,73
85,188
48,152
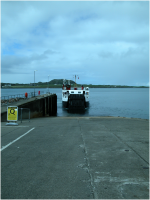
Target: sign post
x,y
12,115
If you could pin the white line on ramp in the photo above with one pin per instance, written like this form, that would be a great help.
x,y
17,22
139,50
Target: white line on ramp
x,y
13,126
4,147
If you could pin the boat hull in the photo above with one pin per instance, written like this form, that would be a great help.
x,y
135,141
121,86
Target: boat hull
x,y
87,104
65,104
75,102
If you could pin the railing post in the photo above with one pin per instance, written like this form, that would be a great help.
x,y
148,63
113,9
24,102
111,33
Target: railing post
x,y
21,115
29,115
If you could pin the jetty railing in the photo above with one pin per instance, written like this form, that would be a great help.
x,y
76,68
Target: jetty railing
x,y
12,98
21,113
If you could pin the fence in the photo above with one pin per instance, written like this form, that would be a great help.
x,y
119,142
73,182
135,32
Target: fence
x,y
6,99
21,113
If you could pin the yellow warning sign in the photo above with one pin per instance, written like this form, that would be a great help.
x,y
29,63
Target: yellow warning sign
x,y
12,113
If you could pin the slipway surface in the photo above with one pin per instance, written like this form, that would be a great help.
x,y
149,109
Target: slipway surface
x,y
75,158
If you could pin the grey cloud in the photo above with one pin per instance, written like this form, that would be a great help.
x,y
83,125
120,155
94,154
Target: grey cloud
x,y
15,64
105,54
134,52
88,38
50,52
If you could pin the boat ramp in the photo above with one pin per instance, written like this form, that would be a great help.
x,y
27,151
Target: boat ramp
x,y
75,158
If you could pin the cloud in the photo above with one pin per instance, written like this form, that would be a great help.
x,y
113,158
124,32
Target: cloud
x,y
100,41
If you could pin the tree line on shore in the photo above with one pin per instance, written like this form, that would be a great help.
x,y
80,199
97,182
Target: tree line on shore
x,y
57,83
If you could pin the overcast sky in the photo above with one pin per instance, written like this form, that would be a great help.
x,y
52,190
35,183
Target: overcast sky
x,y
102,42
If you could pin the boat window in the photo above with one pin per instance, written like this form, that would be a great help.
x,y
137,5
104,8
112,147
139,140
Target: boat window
x,y
72,92
79,92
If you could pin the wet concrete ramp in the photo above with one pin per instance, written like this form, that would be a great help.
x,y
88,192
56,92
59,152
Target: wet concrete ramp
x,y
75,158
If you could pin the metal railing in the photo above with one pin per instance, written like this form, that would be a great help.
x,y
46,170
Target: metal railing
x,y
5,99
21,113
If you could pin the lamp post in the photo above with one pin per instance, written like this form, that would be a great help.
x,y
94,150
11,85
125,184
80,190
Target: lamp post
x,y
75,80
34,82
48,83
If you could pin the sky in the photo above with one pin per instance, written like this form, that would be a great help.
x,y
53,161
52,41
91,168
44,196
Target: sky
x,y
103,42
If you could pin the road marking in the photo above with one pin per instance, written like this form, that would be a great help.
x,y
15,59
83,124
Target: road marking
x,y
13,126
4,147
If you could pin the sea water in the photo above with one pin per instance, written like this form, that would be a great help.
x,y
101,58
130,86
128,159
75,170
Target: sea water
x,y
123,102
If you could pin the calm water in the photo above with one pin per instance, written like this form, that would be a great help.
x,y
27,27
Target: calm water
x,y
123,102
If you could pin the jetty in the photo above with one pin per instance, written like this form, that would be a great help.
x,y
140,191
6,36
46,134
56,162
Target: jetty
x,y
75,158
39,106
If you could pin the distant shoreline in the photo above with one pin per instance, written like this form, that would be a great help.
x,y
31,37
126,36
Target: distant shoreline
x,y
90,86
57,83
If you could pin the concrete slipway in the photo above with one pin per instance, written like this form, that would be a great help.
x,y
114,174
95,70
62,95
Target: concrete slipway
x,y
75,158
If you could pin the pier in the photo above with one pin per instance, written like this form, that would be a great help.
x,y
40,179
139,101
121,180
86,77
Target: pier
x,y
75,158
40,106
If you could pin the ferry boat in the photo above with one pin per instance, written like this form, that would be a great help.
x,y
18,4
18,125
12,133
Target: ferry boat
x,y
74,98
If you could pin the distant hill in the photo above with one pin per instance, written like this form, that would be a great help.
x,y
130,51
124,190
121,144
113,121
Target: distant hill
x,y
59,81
